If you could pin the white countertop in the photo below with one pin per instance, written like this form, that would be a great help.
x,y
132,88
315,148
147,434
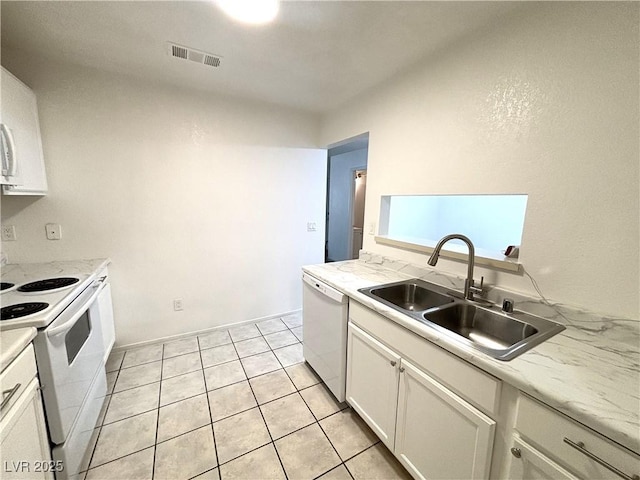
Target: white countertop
x,y
12,342
590,371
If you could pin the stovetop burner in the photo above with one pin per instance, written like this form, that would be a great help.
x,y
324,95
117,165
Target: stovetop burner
x,y
48,284
21,310
6,285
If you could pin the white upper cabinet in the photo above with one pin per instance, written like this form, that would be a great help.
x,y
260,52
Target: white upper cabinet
x,y
23,171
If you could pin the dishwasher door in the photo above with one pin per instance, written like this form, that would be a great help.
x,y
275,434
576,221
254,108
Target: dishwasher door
x,y
324,327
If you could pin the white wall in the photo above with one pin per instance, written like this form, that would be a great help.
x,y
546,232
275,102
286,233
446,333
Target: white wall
x,y
192,196
546,104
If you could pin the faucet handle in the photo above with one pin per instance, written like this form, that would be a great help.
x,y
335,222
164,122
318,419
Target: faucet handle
x,y
477,289
507,305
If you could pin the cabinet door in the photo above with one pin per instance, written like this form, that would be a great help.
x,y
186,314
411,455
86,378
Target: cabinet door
x,y
440,435
25,448
527,463
20,115
372,382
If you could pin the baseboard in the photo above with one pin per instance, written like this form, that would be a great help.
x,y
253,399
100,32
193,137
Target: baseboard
x,y
170,338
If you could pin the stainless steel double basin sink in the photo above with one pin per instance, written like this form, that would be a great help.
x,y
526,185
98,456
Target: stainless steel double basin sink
x,y
485,327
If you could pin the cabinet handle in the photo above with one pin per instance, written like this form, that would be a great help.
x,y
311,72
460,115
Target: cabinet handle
x,y
9,393
393,363
580,447
401,369
516,452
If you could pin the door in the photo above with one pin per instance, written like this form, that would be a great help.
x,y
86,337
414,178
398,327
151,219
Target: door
x,y
372,382
344,162
357,222
527,463
440,435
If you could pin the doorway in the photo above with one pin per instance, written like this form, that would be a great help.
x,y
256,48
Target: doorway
x,y
346,187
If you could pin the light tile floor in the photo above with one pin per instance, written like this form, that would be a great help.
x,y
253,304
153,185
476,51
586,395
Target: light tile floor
x,y
230,404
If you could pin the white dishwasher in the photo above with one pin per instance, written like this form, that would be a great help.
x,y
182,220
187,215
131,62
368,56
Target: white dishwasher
x,y
324,327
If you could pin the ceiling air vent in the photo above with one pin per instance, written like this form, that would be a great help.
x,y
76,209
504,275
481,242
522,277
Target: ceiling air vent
x,y
198,56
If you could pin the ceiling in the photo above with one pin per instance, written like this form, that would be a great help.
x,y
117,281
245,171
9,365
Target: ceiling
x,y
316,56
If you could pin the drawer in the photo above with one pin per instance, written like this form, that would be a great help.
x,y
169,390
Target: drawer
x,y
547,429
16,377
477,387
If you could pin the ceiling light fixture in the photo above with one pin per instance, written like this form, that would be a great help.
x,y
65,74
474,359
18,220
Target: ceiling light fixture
x,y
250,11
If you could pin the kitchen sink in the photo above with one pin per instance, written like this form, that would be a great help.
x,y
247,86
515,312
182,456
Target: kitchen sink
x,y
481,326
410,296
486,328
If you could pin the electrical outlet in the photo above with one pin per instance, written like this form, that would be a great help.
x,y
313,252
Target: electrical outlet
x,y
311,227
177,304
54,231
372,228
8,233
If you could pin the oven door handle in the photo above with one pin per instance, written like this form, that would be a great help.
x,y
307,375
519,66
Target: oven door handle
x,y
55,331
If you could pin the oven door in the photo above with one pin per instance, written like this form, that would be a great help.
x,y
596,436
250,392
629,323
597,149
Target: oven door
x,y
69,352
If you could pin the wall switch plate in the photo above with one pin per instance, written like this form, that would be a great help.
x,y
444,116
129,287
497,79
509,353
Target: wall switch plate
x,y
311,226
372,228
54,231
177,304
8,233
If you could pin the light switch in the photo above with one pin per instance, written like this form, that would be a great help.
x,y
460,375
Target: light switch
x,y
311,226
54,231
372,228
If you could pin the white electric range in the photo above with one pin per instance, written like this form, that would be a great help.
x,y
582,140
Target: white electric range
x,y
63,301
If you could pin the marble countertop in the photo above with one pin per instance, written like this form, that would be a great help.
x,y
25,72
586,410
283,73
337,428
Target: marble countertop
x,y
27,272
590,371
12,342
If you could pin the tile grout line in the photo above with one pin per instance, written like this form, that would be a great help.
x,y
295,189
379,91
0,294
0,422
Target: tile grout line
x,y
206,394
323,432
343,462
100,433
155,443
261,414
282,367
298,390
99,427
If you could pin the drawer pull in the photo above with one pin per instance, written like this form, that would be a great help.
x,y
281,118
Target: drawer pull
x,y
580,447
393,363
9,393
516,452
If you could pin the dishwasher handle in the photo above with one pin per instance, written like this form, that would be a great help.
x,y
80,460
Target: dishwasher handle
x,y
332,293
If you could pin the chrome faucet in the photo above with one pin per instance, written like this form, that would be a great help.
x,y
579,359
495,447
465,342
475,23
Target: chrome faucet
x,y
469,287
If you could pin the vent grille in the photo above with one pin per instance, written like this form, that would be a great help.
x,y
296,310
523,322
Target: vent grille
x,y
211,60
179,52
198,56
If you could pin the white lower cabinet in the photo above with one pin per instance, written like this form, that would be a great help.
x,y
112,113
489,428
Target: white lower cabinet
x,y
438,434
24,446
432,431
25,450
570,445
372,383
527,463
